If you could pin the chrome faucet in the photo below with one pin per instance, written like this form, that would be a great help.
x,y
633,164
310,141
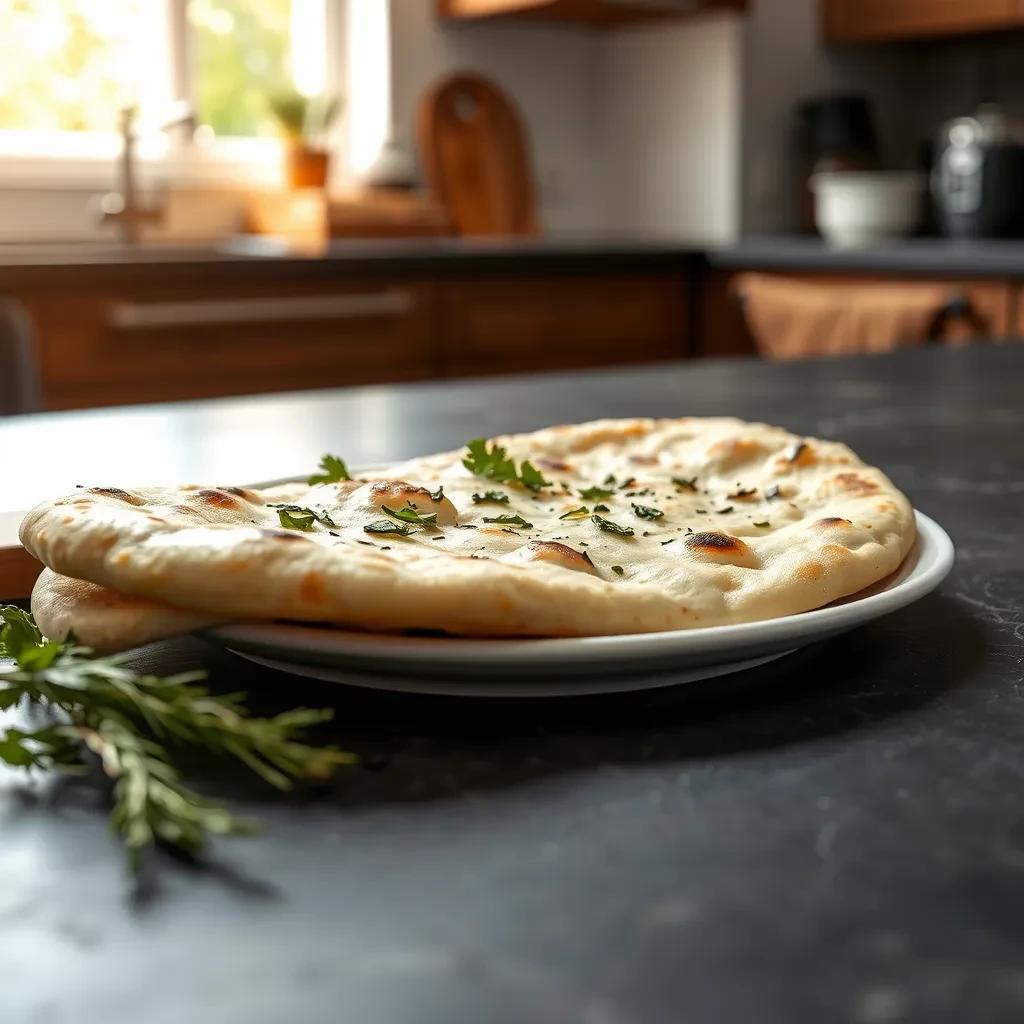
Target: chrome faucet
x,y
124,208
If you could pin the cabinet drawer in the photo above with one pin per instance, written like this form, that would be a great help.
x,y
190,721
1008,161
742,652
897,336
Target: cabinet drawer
x,y
185,342
524,324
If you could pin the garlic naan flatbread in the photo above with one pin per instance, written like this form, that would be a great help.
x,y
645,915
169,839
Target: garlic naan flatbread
x,y
625,526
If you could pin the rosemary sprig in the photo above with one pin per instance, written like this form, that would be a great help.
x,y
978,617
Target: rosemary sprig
x,y
135,724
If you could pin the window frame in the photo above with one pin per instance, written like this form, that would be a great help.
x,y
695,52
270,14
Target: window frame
x,y
62,160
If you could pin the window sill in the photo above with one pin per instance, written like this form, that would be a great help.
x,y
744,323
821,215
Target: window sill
x,y
252,163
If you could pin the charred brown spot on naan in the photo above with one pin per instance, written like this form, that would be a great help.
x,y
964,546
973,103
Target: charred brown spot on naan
x,y
288,535
643,460
721,548
218,499
832,522
554,552
853,483
116,492
396,493
556,465
239,492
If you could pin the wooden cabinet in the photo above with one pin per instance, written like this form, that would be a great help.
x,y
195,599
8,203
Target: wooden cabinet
x,y
120,337
599,13
155,342
866,21
516,325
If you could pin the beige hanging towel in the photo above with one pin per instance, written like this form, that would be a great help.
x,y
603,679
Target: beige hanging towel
x,y
792,318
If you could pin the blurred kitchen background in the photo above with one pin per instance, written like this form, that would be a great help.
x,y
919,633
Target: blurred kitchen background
x,y
212,197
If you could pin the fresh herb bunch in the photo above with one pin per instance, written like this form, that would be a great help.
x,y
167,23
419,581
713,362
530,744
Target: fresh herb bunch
x,y
493,463
135,724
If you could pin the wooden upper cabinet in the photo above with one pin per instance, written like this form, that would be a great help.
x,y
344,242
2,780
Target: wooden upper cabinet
x,y
602,13
870,21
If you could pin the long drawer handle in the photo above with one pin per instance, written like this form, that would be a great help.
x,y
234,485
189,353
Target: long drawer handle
x,y
191,313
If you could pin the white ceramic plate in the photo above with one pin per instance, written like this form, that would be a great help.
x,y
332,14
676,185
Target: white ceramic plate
x,y
439,664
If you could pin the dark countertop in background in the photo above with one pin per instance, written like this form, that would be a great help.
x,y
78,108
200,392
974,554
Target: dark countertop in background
x,y
547,254
926,256
837,837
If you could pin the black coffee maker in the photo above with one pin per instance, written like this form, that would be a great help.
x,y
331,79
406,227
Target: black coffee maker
x,y
978,176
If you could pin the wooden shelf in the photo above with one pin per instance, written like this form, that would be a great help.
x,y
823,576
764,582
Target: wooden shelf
x,y
597,13
880,21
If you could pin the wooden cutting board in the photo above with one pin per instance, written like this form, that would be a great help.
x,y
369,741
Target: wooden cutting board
x,y
18,569
475,157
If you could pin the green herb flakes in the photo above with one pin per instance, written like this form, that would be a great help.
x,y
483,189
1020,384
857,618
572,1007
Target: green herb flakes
x,y
498,497
596,493
577,513
333,470
609,527
389,528
494,464
509,519
297,517
647,512
410,515
618,570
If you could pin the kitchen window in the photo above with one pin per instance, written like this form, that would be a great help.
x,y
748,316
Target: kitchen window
x,y
68,66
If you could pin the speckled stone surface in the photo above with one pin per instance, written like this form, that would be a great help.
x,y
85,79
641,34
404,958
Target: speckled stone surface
x,y
836,837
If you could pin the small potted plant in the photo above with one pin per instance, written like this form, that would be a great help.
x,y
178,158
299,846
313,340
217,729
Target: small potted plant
x,y
304,121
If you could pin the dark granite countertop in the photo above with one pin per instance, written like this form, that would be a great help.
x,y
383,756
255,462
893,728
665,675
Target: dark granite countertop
x,y
926,256
350,257
837,837
569,252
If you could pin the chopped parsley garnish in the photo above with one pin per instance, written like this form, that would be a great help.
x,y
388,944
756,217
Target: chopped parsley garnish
x,y
609,527
772,493
494,464
410,515
334,469
509,519
496,496
763,526
646,512
685,485
742,492
610,480
595,493
627,483
577,513
297,517
722,511
601,508
701,511
438,494
618,570
386,526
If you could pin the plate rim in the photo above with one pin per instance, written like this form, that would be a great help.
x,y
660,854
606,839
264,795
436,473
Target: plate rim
x,y
935,558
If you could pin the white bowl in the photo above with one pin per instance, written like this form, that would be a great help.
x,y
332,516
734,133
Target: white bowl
x,y
854,208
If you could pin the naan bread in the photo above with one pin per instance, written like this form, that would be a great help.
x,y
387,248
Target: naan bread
x,y
104,619
730,522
